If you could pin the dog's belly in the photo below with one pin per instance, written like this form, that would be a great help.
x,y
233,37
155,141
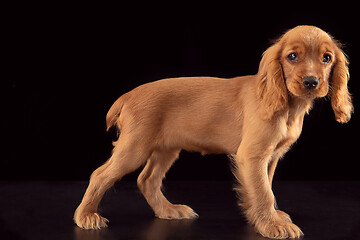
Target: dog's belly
x,y
208,148
206,140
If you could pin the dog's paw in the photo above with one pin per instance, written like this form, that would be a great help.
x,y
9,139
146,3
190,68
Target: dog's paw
x,y
279,229
177,212
90,221
284,216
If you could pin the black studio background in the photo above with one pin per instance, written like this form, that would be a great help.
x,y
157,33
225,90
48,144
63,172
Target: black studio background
x,y
66,64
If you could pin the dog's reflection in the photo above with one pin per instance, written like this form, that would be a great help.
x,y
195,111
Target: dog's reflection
x,y
161,229
83,234
167,229
158,229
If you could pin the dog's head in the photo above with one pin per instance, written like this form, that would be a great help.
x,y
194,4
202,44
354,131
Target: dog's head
x,y
306,63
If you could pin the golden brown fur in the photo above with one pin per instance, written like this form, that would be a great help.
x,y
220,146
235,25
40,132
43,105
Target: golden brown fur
x,y
253,118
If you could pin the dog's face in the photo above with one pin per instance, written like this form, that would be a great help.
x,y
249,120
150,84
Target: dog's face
x,y
305,63
307,59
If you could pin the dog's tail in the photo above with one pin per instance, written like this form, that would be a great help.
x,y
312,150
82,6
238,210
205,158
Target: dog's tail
x,y
114,113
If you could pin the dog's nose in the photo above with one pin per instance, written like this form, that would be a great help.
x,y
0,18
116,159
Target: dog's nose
x,y
310,82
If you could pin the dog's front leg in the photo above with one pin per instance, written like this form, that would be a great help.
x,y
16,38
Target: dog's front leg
x,y
255,194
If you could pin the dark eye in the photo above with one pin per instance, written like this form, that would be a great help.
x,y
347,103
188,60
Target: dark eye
x,y
326,59
292,57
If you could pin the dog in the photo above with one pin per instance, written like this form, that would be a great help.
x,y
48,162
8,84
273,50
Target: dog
x,y
255,119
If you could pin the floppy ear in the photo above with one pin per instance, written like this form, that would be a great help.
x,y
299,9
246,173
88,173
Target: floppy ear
x,y
271,89
339,94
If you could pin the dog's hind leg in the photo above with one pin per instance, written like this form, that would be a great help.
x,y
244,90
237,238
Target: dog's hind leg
x,y
150,180
128,155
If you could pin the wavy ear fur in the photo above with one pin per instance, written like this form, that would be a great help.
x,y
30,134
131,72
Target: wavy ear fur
x,y
271,89
339,94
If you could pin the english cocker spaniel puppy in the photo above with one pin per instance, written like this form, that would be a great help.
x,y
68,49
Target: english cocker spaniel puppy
x,y
255,119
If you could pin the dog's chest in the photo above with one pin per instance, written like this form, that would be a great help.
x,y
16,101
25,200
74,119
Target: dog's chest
x,y
294,128
290,131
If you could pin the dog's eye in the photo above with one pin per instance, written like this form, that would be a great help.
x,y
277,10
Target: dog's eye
x,y
292,57
326,58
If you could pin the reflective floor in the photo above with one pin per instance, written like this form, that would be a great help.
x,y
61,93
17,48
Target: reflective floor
x,y
43,210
